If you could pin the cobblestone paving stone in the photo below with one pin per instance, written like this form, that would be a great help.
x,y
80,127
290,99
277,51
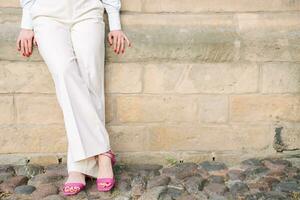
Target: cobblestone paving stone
x,y
262,179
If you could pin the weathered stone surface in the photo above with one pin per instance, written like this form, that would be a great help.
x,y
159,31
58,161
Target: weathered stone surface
x,y
7,115
7,168
215,188
44,190
217,6
208,44
213,109
59,169
132,5
123,197
38,109
138,186
123,78
143,169
128,138
288,186
276,174
199,196
93,193
259,108
29,170
194,184
280,77
17,197
286,136
35,138
267,44
216,179
144,108
109,108
181,170
269,181
124,185
251,162
180,41
43,159
210,78
276,164
53,197
268,195
5,175
6,171
213,166
180,181
238,188
24,189
175,190
236,174
196,6
293,172
255,172
153,193
48,177
10,184
198,137
158,181
25,77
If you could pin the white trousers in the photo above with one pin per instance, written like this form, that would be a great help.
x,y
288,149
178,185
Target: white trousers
x,y
70,37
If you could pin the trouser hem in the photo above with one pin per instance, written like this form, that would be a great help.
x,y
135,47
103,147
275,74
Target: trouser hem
x,y
92,154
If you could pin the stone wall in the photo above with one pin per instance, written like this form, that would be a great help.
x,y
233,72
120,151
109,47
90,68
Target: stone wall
x,y
209,78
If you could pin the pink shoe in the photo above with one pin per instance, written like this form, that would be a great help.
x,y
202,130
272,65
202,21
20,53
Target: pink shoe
x,y
110,182
72,188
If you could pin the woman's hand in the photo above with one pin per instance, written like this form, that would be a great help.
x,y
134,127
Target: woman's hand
x,y
25,41
117,40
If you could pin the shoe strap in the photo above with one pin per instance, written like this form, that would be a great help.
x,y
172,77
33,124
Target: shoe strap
x,y
81,185
101,180
109,154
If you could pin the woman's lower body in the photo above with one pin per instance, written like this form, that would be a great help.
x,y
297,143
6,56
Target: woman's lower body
x,y
70,38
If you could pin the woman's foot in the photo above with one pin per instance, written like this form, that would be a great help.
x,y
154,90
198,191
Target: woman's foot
x,y
77,177
105,168
74,177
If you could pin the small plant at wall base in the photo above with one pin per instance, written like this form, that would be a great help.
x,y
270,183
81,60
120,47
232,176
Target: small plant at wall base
x,y
171,161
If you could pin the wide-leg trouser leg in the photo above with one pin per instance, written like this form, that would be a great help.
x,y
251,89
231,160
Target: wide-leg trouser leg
x,y
74,56
88,43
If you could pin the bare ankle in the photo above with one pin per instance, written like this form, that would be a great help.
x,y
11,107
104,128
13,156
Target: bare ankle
x,y
71,173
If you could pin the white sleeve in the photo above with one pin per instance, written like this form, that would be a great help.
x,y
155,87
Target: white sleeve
x,y
26,18
112,8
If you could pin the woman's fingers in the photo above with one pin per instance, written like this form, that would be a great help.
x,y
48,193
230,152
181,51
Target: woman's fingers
x,y
26,47
18,44
122,45
128,42
119,43
29,43
25,41
115,43
23,47
110,39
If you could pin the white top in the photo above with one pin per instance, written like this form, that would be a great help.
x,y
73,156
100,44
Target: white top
x,y
112,8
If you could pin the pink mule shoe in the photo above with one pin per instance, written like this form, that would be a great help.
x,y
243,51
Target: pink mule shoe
x,y
72,188
109,181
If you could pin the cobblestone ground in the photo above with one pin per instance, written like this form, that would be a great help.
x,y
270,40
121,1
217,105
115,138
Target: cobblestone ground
x,y
264,178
